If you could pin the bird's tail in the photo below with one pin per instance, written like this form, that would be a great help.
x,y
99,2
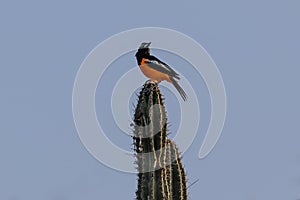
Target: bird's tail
x,y
179,89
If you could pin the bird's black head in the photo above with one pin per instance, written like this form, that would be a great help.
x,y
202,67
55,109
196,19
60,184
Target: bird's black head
x,y
143,49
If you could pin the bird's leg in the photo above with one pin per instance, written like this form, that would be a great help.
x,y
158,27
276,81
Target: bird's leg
x,y
151,81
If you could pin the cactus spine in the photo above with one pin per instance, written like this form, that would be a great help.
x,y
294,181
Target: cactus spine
x,y
161,175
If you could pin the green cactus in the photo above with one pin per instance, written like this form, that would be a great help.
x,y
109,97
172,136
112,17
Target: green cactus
x,y
161,175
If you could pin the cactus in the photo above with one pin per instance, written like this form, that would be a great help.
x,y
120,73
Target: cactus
x,y
161,175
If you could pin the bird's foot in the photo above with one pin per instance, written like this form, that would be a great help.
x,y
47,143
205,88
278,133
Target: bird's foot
x,y
152,82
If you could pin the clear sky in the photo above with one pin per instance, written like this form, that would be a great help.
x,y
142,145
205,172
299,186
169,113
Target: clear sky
x,y
255,45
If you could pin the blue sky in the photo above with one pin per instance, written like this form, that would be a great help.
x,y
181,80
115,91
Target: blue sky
x,y
255,45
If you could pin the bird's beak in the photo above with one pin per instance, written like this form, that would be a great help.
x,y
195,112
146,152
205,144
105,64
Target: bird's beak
x,y
145,45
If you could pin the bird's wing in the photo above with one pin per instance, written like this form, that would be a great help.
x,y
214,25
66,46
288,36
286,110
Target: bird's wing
x,y
156,59
162,67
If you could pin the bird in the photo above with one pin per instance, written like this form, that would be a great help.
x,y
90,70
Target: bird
x,y
156,69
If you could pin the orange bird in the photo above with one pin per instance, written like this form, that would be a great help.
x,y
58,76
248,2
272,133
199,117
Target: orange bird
x,y
157,70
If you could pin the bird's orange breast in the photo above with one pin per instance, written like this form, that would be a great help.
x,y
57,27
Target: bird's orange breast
x,y
153,74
